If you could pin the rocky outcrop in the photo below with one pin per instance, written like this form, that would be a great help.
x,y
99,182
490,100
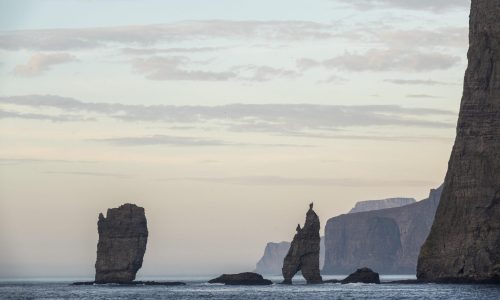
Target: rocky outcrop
x,y
370,205
464,243
123,235
386,240
363,275
247,278
274,254
303,254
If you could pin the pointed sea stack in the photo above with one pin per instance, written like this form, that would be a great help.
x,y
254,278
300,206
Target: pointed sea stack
x,y
123,235
464,242
303,254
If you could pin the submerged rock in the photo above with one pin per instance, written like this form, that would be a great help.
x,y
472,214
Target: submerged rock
x,y
363,275
123,235
464,242
303,254
246,278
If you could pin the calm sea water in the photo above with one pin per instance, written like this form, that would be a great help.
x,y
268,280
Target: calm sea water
x,y
197,288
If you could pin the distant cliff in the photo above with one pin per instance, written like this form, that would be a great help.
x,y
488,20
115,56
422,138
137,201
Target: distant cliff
x,y
386,240
272,260
369,205
464,243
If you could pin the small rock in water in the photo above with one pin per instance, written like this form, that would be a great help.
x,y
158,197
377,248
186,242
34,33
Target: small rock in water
x,y
247,278
363,275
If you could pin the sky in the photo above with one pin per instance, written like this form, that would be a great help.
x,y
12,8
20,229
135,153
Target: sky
x,y
223,119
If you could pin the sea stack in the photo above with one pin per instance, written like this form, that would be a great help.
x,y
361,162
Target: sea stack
x,y
464,242
303,254
123,235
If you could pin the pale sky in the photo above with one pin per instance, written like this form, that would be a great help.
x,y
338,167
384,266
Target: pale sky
x,y
223,119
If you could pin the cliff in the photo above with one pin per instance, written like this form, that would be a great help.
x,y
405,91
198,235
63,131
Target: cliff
x,y
123,235
369,205
464,242
386,240
303,254
274,254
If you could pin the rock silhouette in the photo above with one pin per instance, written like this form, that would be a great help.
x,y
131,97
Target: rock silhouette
x,y
464,242
123,235
271,261
246,278
303,254
363,275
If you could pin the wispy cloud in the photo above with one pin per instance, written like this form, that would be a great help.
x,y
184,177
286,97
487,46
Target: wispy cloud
x,y
17,161
271,118
422,96
301,181
174,68
4,114
416,82
430,5
177,50
85,38
83,173
384,60
182,141
40,63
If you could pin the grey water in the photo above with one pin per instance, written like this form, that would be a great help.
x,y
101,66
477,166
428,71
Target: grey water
x,y
197,288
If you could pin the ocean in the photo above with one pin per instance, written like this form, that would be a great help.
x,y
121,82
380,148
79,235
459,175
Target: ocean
x,y
197,288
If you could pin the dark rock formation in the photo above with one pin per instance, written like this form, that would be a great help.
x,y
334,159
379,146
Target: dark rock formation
x,y
247,278
370,205
274,254
363,275
386,240
464,243
303,254
123,235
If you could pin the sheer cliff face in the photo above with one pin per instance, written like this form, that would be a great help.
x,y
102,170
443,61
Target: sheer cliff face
x,y
464,243
123,235
303,254
387,241
369,205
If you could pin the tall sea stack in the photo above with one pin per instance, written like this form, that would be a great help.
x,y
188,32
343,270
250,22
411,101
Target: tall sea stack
x,y
123,235
464,242
303,254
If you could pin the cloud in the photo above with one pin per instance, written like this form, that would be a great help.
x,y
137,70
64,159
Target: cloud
x,y
98,174
416,82
163,140
379,60
151,51
430,5
174,68
422,38
422,96
263,73
147,35
301,181
181,141
39,63
16,161
34,116
271,118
